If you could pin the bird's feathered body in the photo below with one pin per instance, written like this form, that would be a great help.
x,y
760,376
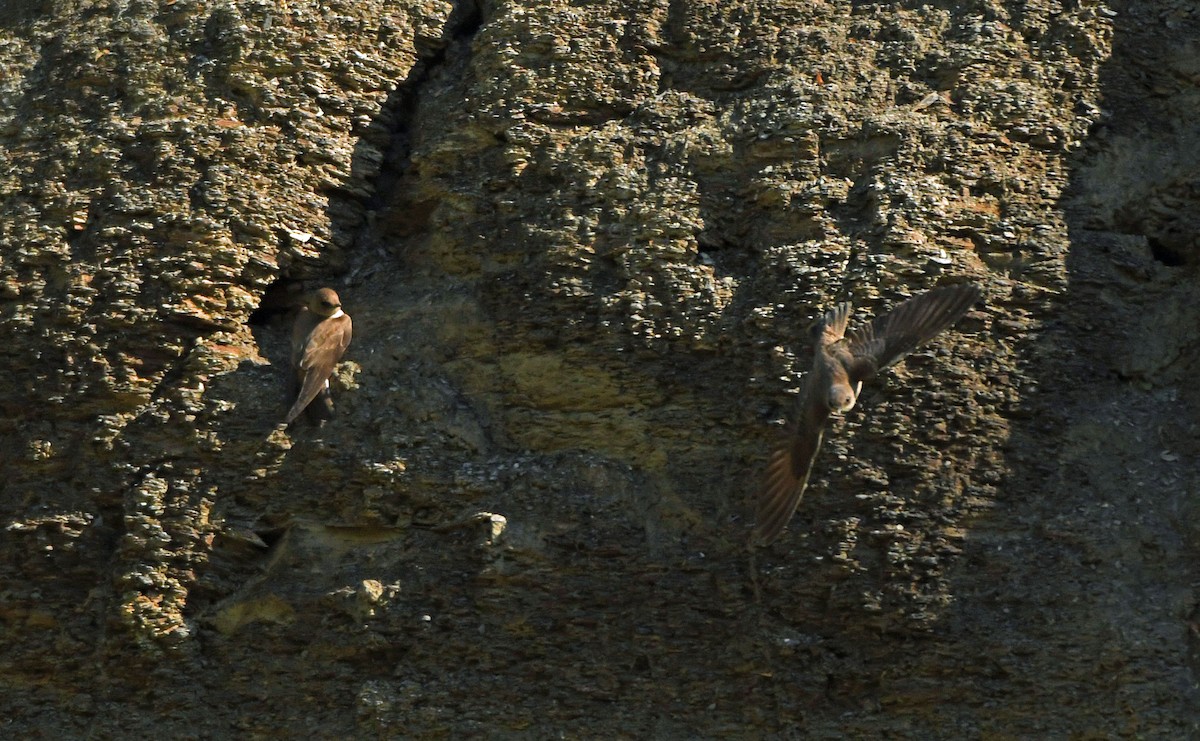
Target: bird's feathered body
x,y
841,363
320,337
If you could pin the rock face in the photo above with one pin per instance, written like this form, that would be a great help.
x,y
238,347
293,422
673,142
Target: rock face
x,y
581,243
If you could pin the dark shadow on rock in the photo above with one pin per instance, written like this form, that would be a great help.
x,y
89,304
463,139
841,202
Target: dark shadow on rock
x,y
1088,556
15,12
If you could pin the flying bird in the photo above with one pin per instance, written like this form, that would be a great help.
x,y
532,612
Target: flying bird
x,y
840,365
320,337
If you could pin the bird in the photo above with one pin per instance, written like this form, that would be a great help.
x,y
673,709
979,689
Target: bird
x,y
841,363
320,336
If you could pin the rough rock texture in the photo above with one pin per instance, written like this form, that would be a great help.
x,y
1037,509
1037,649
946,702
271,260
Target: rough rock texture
x,y
580,243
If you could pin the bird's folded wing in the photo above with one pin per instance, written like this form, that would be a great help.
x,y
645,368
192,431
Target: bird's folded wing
x,y
325,347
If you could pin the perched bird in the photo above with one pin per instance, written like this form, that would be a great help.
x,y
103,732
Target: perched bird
x,y
840,365
320,337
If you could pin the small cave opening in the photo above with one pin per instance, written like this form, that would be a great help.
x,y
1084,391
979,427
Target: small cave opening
x,y
1165,253
283,295
270,536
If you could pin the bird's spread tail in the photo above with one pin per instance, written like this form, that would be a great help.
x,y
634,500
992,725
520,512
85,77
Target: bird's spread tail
x,y
833,323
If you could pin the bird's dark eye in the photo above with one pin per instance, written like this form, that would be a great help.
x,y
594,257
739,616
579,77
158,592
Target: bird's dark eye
x,y
327,304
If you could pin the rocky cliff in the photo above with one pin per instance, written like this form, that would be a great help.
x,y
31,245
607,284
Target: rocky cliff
x,y
581,243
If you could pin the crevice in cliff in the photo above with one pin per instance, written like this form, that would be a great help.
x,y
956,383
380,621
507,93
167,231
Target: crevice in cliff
x,y
400,110
379,166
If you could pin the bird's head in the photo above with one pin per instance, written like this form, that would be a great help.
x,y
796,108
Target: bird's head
x,y
842,397
325,302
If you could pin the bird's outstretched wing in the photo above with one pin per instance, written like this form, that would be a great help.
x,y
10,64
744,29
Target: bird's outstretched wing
x,y
895,334
324,348
789,467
